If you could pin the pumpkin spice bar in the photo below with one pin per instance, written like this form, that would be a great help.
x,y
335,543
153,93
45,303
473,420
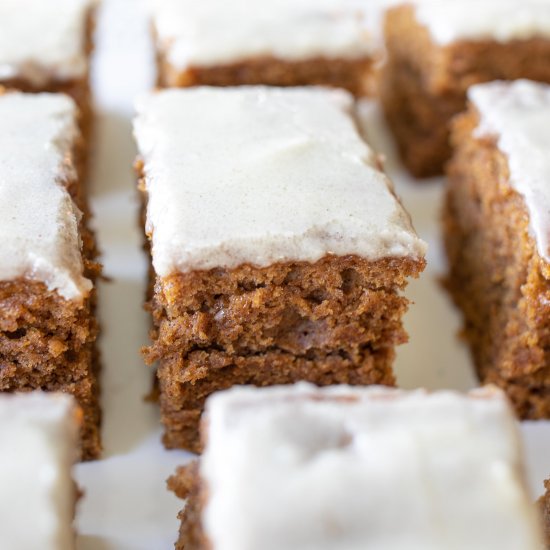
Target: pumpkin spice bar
x,y
278,246
39,434
47,296
285,43
497,228
301,467
437,49
45,47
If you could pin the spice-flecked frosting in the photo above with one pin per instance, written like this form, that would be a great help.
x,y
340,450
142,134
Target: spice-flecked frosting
x,y
344,468
518,115
39,445
43,40
39,237
263,175
501,20
216,32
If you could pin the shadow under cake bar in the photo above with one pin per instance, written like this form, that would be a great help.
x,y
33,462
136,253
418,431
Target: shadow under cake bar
x,y
301,467
496,225
283,43
47,296
45,47
279,249
437,49
39,434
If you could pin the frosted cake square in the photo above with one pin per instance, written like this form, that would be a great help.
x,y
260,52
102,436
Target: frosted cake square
x,y
299,467
497,227
47,257
285,43
279,250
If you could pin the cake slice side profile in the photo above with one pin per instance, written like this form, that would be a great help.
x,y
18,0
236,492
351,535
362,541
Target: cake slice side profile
x,y
330,468
279,250
495,225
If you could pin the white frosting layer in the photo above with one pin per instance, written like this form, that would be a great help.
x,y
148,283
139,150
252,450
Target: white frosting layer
x,y
211,32
501,20
349,469
41,39
518,114
39,236
263,175
38,442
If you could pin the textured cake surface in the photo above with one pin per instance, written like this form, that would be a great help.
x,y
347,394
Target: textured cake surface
x,y
213,32
340,468
40,41
39,442
291,180
39,222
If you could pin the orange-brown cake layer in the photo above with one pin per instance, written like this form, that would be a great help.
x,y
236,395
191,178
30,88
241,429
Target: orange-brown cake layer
x,y
354,75
334,321
497,277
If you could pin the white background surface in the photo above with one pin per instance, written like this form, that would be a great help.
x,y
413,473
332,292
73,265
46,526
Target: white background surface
x,y
126,504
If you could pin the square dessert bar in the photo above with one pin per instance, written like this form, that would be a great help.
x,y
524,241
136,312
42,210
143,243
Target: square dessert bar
x,y
285,43
45,47
39,434
497,228
438,48
47,269
299,467
278,247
